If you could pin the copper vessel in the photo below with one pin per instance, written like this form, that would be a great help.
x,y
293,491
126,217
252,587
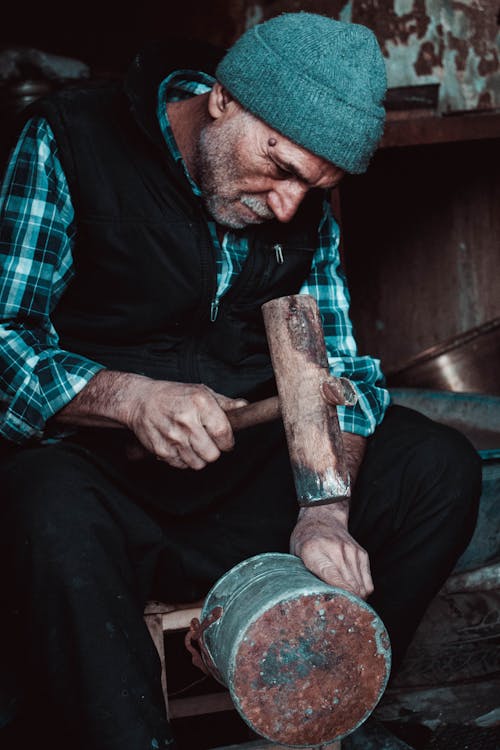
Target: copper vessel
x,y
468,362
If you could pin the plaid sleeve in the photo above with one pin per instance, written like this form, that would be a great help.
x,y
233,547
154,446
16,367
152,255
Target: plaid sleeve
x,y
327,284
37,378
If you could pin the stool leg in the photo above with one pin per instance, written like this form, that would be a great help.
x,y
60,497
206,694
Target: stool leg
x,y
155,627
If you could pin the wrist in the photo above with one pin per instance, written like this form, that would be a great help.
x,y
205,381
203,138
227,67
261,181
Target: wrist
x,y
109,399
127,392
338,510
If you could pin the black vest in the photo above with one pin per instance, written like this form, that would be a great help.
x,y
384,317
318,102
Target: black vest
x,y
145,276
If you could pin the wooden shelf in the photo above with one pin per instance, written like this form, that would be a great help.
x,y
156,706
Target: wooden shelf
x,y
415,128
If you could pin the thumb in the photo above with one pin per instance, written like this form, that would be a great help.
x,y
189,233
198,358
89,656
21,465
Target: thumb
x,y
228,404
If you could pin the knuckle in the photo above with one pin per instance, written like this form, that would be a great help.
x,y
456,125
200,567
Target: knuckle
x,y
219,432
202,395
223,436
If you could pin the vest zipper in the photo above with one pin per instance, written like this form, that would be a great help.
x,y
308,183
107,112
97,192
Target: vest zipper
x,y
278,249
214,310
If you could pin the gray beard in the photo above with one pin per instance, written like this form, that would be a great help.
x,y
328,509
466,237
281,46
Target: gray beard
x,y
217,170
222,209
258,206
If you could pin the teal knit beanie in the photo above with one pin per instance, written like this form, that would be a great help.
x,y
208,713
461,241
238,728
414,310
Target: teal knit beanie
x,y
317,81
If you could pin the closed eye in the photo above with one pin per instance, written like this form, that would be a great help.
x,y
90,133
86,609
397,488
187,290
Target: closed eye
x,y
287,171
282,174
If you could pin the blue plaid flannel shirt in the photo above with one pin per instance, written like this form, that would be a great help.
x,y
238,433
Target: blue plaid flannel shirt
x,y
37,231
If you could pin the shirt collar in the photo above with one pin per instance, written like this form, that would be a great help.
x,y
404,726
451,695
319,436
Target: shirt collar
x,y
181,84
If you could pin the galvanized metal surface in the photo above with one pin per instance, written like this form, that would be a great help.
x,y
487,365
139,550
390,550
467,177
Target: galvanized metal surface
x,y
450,42
305,663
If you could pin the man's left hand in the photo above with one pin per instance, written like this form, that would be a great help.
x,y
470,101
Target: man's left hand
x,y
321,539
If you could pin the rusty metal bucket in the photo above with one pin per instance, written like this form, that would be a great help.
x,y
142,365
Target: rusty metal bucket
x,y
305,663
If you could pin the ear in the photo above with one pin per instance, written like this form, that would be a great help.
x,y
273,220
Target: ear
x,y
218,100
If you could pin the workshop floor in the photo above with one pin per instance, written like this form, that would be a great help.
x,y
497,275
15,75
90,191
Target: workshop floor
x,y
227,728
219,730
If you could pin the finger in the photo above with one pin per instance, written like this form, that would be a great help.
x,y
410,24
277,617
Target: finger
x,y
358,561
227,404
206,426
366,575
175,461
217,427
178,457
348,572
186,444
203,444
167,450
197,457
339,577
178,454
355,564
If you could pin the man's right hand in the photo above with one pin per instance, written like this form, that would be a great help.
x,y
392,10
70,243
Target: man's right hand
x,y
183,424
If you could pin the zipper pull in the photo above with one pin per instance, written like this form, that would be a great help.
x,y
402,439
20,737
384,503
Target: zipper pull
x,y
279,253
214,309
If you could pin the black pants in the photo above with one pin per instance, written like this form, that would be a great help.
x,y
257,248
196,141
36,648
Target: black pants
x,y
86,538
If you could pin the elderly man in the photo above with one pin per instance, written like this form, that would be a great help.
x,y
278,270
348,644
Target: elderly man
x,y
143,226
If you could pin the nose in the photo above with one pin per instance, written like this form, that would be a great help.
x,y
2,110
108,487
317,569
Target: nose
x,y
285,198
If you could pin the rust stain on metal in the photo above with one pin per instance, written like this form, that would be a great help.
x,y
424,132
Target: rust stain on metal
x,y
483,28
461,47
485,101
391,26
310,670
450,42
472,69
430,56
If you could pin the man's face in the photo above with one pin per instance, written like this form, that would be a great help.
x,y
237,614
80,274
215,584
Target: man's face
x,y
249,173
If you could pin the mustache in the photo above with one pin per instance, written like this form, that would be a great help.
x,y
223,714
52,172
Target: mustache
x,y
258,206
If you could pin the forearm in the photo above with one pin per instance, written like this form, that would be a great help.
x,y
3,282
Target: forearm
x,y
321,537
106,401
354,450
184,424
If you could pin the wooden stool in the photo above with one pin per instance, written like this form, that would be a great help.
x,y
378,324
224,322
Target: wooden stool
x,y
162,618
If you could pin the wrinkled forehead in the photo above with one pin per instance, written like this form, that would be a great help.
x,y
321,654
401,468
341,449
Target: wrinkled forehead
x,y
310,168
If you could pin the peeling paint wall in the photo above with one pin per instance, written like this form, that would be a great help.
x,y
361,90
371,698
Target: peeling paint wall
x,y
453,43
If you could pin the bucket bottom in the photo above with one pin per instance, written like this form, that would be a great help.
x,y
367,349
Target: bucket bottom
x,y
311,669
